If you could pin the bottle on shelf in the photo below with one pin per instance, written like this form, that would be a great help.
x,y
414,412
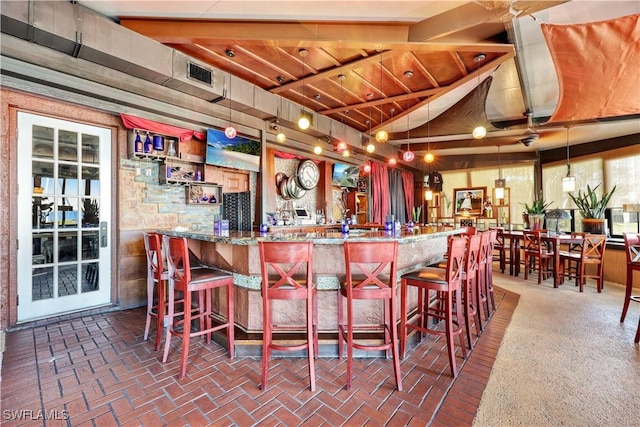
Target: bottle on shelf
x,y
148,145
198,175
137,145
172,148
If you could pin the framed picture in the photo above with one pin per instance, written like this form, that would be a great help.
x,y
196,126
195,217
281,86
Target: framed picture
x,y
469,201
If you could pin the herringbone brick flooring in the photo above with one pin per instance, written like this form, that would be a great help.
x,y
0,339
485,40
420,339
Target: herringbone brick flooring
x,y
95,370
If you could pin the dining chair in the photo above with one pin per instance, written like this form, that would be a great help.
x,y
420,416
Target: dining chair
x,y
632,249
286,270
592,253
371,274
502,249
447,286
568,262
199,281
536,254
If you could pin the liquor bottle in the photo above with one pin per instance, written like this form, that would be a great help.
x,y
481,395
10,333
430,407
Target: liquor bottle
x,y
148,145
138,143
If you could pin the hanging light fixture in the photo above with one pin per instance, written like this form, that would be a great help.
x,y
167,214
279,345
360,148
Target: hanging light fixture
x,y
342,146
370,146
479,131
428,158
281,138
367,167
305,120
428,194
568,181
381,136
408,155
392,161
499,183
230,132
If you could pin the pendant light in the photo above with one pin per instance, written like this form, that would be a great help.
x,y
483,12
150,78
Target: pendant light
x,y
568,181
230,132
306,119
499,183
370,146
408,155
317,149
281,138
381,136
479,131
342,146
428,158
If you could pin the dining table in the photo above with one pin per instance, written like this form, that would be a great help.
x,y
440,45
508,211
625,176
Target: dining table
x,y
554,240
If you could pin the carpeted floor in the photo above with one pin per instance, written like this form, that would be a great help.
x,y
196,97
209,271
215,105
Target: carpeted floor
x,y
565,360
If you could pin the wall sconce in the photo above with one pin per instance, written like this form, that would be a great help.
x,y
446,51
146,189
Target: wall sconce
x,y
568,181
479,131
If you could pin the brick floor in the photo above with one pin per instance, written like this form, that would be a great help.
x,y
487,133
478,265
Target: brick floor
x,y
96,370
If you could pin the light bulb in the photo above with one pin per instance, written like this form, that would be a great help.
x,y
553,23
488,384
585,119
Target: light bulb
x,y
479,132
346,153
499,193
317,149
408,156
281,138
428,195
382,136
392,161
367,167
304,123
428,157
230,132
371,148
341,146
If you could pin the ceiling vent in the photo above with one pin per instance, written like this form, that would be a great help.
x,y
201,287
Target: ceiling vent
x,y
199,73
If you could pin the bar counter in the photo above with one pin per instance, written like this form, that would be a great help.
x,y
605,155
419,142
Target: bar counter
x,y
238,253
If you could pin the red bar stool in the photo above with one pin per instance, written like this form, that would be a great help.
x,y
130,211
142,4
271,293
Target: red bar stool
x,y
493,237
470,287
286,269
187,280
447,283
157,277
371,269
632,246
482,277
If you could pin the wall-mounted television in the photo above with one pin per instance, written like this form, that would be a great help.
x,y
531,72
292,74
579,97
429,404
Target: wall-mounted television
x,y
238,153
345,175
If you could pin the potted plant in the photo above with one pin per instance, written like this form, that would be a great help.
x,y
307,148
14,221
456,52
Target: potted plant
x,y
533,214
591,208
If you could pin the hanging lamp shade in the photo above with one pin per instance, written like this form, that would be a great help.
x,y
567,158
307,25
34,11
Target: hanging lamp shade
x,y
428,194
305,120
479,131
568,181
499,183
382,136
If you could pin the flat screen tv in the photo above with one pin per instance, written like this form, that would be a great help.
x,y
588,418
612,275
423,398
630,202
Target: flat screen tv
x,y
238,153
345,175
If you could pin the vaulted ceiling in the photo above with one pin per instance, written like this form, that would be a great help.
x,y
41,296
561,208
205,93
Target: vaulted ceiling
x,y
427,72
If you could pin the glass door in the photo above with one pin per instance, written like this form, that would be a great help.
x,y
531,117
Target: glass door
x,y
64,205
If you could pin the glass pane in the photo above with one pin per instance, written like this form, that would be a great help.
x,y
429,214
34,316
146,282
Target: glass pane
x,y
42,245
67,280
67,212
42,177
68,146
90,276
90,181
41,208
90,212
68,179
42,283
89,245
42,142
90,149
67,247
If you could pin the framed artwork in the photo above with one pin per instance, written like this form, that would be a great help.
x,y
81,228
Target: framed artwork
x,y
469,201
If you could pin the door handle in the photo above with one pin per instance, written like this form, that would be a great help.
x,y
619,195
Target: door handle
x,y
103,234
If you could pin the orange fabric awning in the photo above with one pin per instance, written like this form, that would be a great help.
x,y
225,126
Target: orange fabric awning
x,y
598,67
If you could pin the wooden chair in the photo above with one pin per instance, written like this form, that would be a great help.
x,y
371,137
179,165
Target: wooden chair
x,y
157,277
287,274
470,287
187,280
371,272
632,247
502,250
447,285
482,276
593,247
536,255
568,262
493,235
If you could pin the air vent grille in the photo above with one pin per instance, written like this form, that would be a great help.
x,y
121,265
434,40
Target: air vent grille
x,y
200,74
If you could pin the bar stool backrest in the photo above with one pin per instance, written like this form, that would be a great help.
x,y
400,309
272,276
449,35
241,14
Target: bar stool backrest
x,y
455,261
632,245
153,248
370,265
472,257
286,265
178,261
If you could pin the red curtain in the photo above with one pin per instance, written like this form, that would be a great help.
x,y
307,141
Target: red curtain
x,y
597,66
379,192
132,122
407,185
